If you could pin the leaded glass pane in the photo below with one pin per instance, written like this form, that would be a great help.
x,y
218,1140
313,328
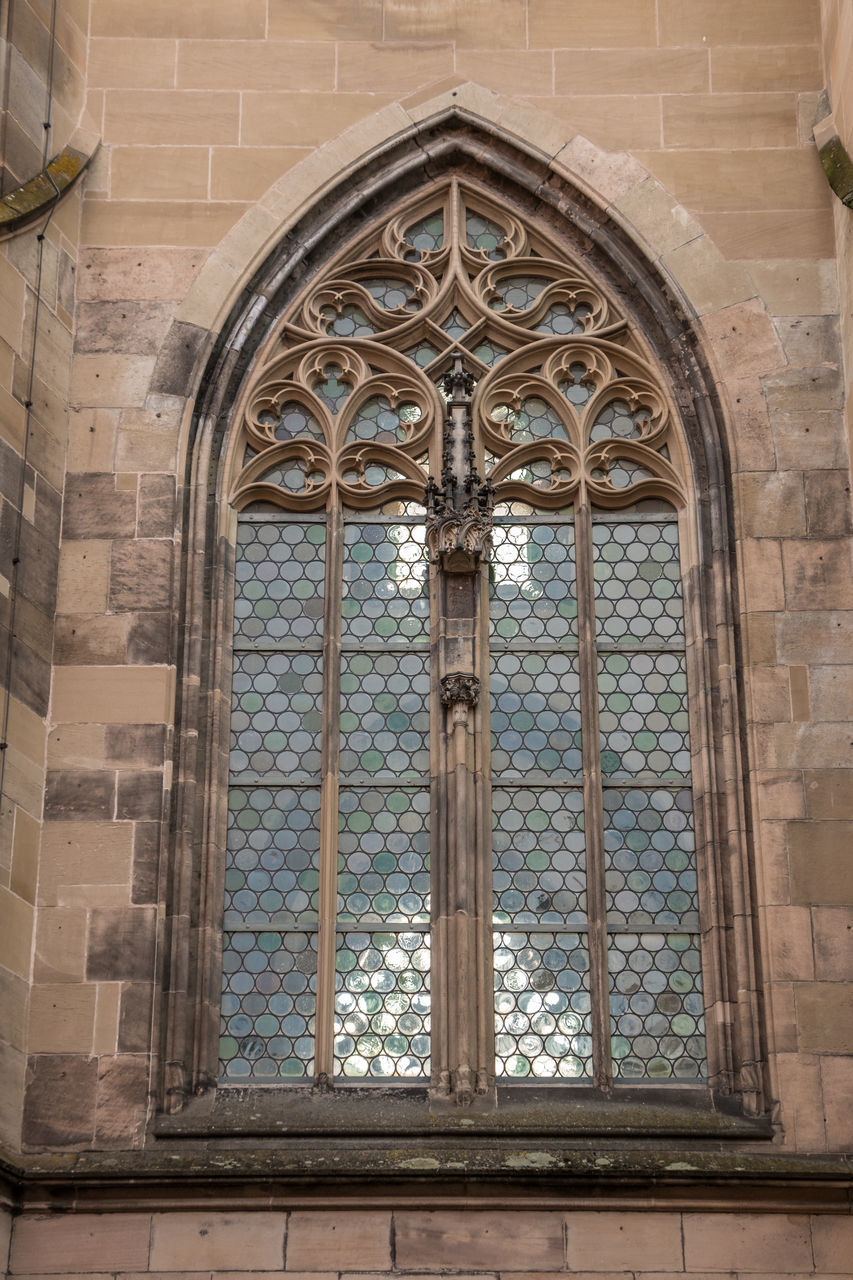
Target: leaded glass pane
x,y
382,1005
542,1006
649,859
535,420
562,319
383,863
349,322
385,715
484,235
293,422
271,868
518,292
280,571
656,1006
539,865
331,389
376,420
455,325
391,293
536,727
643,715
276,713
427,235
269,985
533,592
637,582
618,419
385,588
489,352
422,354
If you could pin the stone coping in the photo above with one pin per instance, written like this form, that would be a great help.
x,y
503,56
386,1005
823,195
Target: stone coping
x,y
35,198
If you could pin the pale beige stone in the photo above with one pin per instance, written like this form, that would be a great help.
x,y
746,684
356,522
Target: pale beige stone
x,y
113,274
833,1244
744,340
772,233
837,1079
723,181
730,22
788,932
746,1242
62,1019
616,123
113,695
26,840
446,1238
769,693
325,20
257,64
818,574
171,116
268,119
111,380
240,20
160,173
809,339
623,1242
729,120
60,951
193,224
79,1242
17,933
762,68
661,222
107,1014
350,1240
478,24
526,70
91,440
637,70
704,276
800,1099
246,173
123,63
832,693
27,730
222,1242
824,1017
771,505
12,291
833,943
399,67
780,793
626,23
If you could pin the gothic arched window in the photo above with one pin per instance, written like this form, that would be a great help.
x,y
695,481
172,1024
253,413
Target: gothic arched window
x,y
461,813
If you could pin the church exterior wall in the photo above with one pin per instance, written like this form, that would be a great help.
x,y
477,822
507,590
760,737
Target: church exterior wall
x,y
688,123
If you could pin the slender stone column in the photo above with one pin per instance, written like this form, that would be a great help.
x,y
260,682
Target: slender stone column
x,y
459,538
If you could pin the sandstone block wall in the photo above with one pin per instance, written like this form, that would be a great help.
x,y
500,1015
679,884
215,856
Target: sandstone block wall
x,y
219,123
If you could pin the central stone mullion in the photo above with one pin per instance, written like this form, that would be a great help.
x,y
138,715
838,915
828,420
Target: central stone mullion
x,y
458,536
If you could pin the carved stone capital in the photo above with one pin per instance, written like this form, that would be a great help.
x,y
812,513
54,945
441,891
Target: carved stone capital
x,y
459,689
460,540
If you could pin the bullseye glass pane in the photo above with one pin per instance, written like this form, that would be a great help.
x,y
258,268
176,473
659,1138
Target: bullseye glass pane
x,y
539,863
620,420
269,983
271,868
560,319
656,1008
391,293
376,420
382,1005
535,716
293,422
383,856
533,593
542,1006
455,324
535,420
276,714
385,586
280,574
484,235
643,715
384,719
427,235
637,582
518,292
489,352
422,354
649,859
349,322
331,389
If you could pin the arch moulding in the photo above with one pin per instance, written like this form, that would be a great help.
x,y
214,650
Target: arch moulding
x,y
642,245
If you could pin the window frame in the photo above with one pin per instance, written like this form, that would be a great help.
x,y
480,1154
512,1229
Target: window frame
x,y
187,1057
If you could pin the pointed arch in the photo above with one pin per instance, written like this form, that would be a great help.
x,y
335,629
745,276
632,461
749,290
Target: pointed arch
x,y
535,193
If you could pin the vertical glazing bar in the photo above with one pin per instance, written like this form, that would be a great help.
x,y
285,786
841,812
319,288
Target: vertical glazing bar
x,y
327,909
593,801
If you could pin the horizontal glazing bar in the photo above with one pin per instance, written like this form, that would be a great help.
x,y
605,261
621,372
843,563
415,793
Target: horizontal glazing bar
x,y
280,517
511,926
274,780
263,645
287,924
352,781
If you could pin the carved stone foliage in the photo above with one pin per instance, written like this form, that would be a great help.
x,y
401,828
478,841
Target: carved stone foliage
x,y
352,393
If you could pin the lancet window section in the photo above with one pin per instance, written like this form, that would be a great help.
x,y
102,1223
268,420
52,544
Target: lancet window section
x,y
460,754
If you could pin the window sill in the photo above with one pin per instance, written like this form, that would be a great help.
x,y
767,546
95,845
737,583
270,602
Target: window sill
x,y
641,1113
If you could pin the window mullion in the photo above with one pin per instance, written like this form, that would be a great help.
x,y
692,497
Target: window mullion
x,y
327,904
593,801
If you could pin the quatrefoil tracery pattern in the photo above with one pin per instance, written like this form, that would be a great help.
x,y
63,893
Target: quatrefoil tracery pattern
x,y
348,400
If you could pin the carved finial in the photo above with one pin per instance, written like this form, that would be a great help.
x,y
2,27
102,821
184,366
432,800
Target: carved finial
x,y
459,513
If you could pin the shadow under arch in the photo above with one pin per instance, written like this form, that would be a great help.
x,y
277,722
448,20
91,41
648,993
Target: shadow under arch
x,y
454,142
